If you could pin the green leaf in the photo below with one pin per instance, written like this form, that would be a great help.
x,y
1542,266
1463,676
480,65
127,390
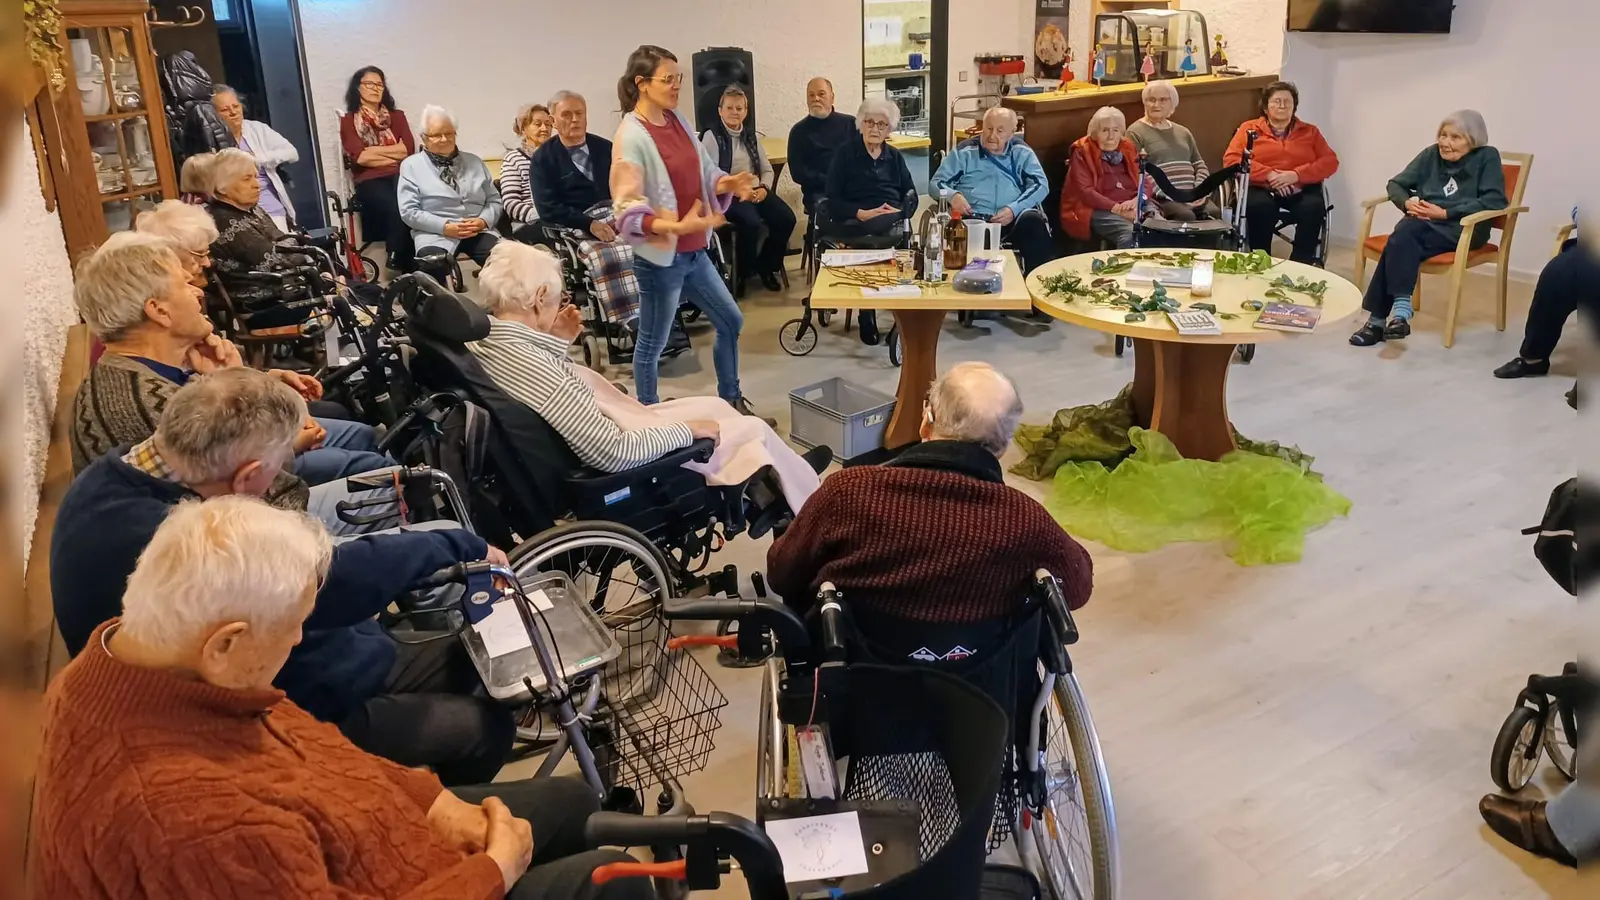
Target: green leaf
x,y
1135,316
1208,307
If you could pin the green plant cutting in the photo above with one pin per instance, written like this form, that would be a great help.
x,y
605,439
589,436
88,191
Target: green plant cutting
x,y
1283,285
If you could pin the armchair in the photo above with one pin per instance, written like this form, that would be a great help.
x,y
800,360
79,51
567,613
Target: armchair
x,y
1517,167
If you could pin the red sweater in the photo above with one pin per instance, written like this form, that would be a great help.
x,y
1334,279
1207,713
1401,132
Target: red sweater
x,y
681,155
937,536
1303,150
1092,185
152,785
351,139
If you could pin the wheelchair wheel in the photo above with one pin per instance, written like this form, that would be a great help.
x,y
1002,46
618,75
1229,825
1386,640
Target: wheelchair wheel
x,y
1516,750
595,352
1560,744
1247,353
1077,841
615,568
824,316
797,337
369,270
893,340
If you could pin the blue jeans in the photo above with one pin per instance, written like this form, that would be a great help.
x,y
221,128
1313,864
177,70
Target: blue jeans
x,y
349,449
1575,819
659,290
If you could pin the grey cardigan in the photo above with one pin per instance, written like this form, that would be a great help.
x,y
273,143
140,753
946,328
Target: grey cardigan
x,y
633,145
427,203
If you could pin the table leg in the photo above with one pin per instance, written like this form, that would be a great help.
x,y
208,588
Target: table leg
x,y
919,346
1181,391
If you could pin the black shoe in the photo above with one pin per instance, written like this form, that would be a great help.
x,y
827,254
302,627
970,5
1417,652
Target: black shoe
x,y
818,457
1523,824
769,280
1397,329
1370,333
1521,368
1572,396
744,409
869,328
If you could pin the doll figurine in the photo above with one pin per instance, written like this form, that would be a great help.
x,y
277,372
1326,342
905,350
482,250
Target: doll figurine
x,y
1219,56
1067,77
1099,64
1148,67
1187,65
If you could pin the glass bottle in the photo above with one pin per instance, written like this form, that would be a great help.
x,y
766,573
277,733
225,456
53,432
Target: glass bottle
x,y
955,243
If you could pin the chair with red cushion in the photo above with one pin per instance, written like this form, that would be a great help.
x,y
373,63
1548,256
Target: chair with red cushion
x,y
1517,167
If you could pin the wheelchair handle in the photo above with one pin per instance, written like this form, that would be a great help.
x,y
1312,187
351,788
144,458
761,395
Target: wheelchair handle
x,y
677,870
753,613
832,614
706,837
460,572
1066,629
725,641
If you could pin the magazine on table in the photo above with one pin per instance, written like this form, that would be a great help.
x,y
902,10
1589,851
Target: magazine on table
x,y
1279,316
1195,321
1171,276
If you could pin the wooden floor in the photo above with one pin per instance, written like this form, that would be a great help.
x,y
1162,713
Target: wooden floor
x,y
1318,730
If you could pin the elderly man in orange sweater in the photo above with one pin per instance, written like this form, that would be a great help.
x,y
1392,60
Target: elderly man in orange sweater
x,y
172,769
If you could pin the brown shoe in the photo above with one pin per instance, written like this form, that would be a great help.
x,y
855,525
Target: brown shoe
x,y
1523,824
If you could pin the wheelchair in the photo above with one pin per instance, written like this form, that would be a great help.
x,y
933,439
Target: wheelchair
x,y
1544,721
337,240
523,477
939,775
798,337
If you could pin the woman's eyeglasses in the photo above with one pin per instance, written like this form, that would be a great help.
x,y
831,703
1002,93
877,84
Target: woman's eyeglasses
x,y
375,85
875,126
673,80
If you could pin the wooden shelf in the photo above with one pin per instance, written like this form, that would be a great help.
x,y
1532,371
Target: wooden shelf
x,y
118,116
131,194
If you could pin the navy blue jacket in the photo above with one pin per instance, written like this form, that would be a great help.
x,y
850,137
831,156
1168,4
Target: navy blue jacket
x,y
113,510
561,192
812,144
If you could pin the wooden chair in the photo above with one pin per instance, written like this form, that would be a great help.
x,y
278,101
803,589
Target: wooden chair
x,y
1517,167
255,344
1563,234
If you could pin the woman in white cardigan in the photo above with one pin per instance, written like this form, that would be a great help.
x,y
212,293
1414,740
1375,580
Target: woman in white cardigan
x,y
270,149
671,196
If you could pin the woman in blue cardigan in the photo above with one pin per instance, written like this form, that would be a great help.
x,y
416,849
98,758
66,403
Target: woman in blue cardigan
x,y
671,196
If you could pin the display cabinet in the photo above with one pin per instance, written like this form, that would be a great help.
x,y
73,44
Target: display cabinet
x,y
1176,42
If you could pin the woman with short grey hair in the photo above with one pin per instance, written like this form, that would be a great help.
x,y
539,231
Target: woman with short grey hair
x,y
269,148
1100,196
1172,147
247,244
1458,175
446,194
190,230
869,189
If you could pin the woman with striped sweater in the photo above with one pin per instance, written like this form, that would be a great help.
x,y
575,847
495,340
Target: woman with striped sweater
x,y
532,124
1172,147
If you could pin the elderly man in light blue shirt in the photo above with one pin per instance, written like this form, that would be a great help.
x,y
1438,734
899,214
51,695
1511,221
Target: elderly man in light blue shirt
x,y
447,195
998,178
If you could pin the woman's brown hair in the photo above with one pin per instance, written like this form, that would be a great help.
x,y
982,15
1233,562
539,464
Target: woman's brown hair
x,y
642,63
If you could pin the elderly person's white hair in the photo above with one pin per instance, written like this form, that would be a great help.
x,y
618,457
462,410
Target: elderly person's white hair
x,y
880,107
1160,86
195,177
560,97
190,228
217,424
433,111
219,561
229,166
975,402
1470,123
519,278
1106,115
1001,112
112,284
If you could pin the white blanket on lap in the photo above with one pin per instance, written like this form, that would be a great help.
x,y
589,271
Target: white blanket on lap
x,y
746,445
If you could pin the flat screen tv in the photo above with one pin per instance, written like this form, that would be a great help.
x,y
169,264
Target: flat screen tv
x,y
1371,16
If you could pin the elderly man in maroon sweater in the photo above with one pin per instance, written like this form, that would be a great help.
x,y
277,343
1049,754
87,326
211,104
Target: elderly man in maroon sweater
x,y
935,537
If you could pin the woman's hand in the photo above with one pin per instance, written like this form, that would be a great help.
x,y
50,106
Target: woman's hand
x,y
1428,210
568,324
696,220
759,194
310,437
456,231
602,231
1414,207
741,185
1126,209
212,354
304,385
705,428
1283,178
508,841
462,825
869,214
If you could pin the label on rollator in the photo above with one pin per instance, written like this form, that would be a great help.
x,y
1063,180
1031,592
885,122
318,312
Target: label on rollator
x,y
480,597
816,763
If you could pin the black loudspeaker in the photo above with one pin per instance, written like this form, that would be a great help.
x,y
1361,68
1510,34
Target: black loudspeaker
x,y
714,69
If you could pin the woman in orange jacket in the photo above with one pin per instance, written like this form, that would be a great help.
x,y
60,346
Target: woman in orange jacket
x,y
1100,196
1291,161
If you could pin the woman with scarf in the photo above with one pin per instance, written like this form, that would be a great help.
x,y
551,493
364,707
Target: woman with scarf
x,y
447,195
376,139
737,150
670,196
1100,197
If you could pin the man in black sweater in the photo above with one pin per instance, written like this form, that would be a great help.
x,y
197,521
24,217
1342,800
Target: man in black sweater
x,y
230,433
814,139
573,173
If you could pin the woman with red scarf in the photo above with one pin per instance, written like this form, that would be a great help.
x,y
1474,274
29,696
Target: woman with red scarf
x,y
376,140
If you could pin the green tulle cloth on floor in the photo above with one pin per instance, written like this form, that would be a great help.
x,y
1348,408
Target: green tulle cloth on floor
x,y
1259,501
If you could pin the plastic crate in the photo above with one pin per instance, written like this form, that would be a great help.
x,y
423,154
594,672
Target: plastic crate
x,y
848,418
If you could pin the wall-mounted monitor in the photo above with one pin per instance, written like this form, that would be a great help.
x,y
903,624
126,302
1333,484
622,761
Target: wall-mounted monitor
x,y
1371,16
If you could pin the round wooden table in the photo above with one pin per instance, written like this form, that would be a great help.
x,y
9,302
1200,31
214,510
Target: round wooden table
x,y
1180,382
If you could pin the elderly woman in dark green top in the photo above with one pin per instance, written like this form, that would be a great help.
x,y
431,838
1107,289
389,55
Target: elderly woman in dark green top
x,y
1458,176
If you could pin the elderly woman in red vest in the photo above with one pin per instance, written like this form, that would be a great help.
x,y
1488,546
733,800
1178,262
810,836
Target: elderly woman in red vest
x,y
1100,197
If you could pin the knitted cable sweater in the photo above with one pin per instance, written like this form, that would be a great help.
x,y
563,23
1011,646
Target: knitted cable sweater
x,y
119,404
152,785
935,536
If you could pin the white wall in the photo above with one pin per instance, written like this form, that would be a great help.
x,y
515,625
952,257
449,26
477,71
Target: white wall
x,y
976,27
509,52
1379,99
37,252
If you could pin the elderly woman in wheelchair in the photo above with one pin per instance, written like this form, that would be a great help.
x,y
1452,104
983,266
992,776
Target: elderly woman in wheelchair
x,y
525,354
269,280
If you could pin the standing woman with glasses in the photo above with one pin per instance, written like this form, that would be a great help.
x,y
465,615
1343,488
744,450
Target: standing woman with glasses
x,y
671,196
376,140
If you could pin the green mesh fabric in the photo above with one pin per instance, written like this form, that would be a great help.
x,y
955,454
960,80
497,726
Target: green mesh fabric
x,y
1259,506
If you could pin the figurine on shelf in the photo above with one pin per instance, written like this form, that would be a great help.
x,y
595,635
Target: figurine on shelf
x,y
1099,64
1148,67
1219,56
1067,77
1188,66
